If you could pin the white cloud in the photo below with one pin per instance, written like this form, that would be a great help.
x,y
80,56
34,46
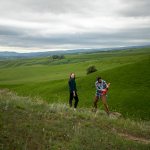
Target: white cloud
x,y
41,25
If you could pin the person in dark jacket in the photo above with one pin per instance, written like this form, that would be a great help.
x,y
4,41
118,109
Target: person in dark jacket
x,y
73,91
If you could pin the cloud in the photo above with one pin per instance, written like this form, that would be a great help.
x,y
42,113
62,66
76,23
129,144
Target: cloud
x,y
57,6
135,8
67,24
93,39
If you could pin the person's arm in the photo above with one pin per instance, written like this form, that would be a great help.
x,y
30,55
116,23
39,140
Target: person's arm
x,y
74,88
107,85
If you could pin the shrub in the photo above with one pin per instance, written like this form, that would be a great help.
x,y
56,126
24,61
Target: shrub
x,y
58,57
91,69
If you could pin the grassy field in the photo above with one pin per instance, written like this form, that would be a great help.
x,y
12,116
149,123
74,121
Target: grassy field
x,y
128,71
33,124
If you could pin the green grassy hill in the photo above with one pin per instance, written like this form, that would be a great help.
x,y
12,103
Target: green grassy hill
x,y
33,124
129,90
128,72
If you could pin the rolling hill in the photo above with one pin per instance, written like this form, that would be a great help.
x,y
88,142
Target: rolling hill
x,y
128,72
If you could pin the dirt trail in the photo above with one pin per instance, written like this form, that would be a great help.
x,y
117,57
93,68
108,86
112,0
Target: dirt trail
x,y
116,115
133,138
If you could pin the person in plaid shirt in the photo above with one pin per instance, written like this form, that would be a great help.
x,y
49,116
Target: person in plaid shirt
x,y
101,93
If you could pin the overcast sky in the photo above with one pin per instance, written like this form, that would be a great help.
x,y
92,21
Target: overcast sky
x,y
40,25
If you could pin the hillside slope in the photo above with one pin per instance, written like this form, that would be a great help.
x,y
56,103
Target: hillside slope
x,y
128,72
128,93
129,90
33,124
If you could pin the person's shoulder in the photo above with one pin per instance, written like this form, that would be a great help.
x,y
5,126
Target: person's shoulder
x,y
96,82
103,81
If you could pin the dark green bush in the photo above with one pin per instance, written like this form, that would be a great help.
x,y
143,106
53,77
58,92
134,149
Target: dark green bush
x,y
91,69
58,56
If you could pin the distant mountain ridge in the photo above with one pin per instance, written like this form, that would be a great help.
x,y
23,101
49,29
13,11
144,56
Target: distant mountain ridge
x,y
9,55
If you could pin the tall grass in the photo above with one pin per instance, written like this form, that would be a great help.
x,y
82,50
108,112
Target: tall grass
x,y
32,124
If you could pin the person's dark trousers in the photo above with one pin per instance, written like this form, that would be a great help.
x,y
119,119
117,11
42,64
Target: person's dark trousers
x,y
71,98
